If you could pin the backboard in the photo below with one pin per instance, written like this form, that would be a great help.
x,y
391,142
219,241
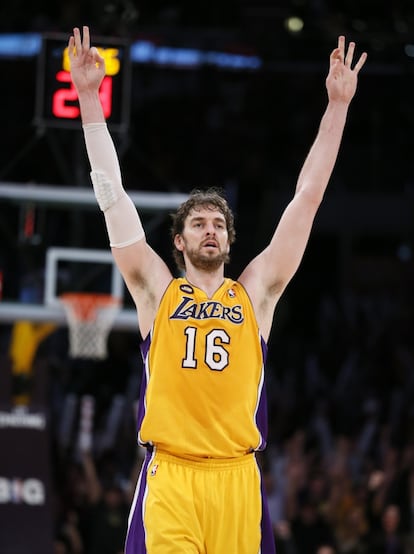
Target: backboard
x,y
75,268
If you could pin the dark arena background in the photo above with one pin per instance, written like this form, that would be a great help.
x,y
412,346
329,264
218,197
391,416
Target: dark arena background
x,y
228,94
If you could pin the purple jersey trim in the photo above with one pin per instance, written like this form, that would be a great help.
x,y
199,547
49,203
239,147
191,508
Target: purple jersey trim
x,y
261,413
145,346
267,544
135,540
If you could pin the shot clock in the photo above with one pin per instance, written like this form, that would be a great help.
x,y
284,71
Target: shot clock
x,y
56,98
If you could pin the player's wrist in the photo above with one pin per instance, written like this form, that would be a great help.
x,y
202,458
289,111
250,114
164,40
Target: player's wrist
x,y
91,107
339,103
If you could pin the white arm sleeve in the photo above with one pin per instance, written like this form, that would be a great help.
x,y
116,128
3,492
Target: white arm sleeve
x,y
121,217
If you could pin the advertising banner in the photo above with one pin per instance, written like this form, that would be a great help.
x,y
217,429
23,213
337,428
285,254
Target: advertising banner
x,y
26,525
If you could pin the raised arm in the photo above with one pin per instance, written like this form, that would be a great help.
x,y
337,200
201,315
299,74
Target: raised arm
x,y
267,276
145,274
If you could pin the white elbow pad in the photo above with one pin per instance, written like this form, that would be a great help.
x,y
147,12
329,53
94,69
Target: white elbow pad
x,y
105,192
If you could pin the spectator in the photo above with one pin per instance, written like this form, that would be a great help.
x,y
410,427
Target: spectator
x,y
389,539
309,528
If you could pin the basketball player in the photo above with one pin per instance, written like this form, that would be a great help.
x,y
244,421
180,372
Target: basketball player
x,y
202,414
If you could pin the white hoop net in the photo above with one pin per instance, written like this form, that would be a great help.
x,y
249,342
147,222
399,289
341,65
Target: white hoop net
x,y
90,317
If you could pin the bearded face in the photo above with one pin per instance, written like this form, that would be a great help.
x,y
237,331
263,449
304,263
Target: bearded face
x,y
206,257
204,240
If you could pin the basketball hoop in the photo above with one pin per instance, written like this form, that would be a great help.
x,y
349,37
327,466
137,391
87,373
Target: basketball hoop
x,y
90,317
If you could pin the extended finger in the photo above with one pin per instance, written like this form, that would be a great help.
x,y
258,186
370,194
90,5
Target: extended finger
x,y
360,62
71,46
341,46
86,39
350,54
77,42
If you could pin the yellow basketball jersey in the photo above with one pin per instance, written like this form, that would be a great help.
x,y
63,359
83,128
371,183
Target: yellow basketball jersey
x,y
202,392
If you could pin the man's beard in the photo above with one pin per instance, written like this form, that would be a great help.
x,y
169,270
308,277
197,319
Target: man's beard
x,y
205,262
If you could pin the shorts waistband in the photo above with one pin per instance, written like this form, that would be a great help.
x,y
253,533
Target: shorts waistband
x,y
207,463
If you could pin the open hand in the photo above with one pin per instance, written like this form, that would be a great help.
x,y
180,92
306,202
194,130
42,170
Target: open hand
x,y
341,81
87,66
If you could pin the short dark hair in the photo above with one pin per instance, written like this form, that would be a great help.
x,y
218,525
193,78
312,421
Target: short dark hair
x,y
212,197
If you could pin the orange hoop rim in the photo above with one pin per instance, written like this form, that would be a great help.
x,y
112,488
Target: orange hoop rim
x,y
85,305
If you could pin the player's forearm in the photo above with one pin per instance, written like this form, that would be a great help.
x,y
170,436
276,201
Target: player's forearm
x,y
102,155
91,107
320,162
